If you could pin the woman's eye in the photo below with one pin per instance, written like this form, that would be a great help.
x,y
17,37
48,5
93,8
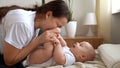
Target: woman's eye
x,y
59,26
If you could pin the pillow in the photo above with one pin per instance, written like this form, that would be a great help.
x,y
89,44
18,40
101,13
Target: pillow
x,y
110,54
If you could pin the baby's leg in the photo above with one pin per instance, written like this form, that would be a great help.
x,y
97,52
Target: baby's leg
x,y
41,55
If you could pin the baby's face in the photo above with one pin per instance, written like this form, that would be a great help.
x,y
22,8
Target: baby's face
x,y
79,49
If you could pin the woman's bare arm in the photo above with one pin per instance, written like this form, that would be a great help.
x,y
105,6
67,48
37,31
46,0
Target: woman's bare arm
x,y
13,55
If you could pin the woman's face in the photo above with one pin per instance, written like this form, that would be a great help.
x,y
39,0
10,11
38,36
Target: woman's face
x,y
53,22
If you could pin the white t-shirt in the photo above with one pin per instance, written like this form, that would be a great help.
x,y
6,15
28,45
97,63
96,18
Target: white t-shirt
x,y
18,28
70,59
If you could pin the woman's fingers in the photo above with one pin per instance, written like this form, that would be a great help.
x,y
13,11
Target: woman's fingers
x,y
49,35
55,30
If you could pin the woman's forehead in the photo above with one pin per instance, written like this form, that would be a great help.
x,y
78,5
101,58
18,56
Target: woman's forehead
x,y
63,20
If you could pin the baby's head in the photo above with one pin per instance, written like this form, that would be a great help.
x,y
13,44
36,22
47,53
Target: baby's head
x,y
83,51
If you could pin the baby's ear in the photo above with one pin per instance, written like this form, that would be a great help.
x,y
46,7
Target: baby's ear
x,y
83,57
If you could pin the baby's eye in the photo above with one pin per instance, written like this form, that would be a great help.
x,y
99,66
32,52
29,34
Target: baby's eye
x,y
79,44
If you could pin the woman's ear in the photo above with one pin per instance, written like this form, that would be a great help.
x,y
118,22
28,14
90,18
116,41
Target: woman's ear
x,y
48,14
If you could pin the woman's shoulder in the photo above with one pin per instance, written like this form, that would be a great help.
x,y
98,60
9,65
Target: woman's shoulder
x,y
19,12
19,15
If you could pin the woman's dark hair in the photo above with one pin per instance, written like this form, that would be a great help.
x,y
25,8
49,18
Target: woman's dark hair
x,y
58,7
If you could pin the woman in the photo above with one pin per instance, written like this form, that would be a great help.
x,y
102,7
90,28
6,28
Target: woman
x,y
20,30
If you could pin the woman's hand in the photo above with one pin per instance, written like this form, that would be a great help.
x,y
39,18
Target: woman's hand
x,y
49,35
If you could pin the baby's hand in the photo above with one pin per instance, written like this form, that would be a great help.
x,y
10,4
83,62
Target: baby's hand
x,y
62,41
56,42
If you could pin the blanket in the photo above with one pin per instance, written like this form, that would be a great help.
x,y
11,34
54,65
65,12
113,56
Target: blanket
x,y
94,64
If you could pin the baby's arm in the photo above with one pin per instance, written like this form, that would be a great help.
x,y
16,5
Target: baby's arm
x,y
58,54
41,55
62,41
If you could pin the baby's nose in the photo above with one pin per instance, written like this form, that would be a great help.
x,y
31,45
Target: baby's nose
x,y
77,43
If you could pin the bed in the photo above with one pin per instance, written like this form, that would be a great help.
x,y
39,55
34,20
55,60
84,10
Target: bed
x,y
107,55
97,63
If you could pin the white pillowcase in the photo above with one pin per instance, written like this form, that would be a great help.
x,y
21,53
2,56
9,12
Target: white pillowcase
x,y
110,54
